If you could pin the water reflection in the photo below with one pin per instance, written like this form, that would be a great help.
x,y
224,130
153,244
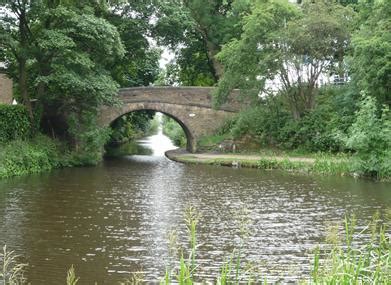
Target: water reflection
x,y
113,219
158,143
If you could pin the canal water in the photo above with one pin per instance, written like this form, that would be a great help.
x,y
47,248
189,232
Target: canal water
x,y
115,218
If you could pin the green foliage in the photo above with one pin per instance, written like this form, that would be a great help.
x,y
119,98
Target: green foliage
x,y
140,64
89,139
371,59
174,131
210,142
196,30
191,67
66,56
270,123
370,137
24,157
243,59
284,49
14,123
131,126
76,77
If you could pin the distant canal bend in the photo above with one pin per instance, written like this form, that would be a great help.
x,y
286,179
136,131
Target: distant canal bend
x,y
114,219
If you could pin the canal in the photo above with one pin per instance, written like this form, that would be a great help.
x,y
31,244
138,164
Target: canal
x,y
115,218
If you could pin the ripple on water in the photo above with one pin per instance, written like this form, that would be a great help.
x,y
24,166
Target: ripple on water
x,y
114,219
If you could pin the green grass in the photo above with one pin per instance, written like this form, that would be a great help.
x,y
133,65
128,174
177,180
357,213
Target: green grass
x,y
326,165
211,142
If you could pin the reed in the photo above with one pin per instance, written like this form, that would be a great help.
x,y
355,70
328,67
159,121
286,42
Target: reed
x,y
71,276
344,261
352,264
11,271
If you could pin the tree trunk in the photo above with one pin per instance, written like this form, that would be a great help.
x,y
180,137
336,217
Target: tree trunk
x,y
23,88
24,35
213,50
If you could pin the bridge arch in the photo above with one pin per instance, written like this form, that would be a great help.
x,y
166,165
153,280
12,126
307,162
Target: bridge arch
x,y
190,138
191,107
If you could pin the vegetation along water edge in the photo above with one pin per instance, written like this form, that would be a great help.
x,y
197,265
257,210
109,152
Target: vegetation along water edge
x,y
341,260
319,164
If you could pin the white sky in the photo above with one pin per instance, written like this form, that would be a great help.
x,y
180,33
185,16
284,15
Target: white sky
x,y
166,57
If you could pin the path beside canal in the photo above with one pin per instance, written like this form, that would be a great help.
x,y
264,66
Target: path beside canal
x,y
321,164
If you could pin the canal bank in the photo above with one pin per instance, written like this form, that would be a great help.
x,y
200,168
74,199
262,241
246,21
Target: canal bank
x,y
322,164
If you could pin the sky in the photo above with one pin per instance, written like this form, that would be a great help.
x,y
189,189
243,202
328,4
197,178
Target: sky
x,y
166,57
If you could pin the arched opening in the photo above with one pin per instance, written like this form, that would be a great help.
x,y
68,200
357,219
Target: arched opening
x,y
140,123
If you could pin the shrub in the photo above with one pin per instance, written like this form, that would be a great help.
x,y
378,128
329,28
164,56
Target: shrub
x,y
14,123
370,138
24,157
271,123
88,139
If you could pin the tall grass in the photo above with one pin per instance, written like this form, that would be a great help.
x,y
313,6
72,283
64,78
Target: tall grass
x,y
231,271
71,276
347,260
11,271
352,264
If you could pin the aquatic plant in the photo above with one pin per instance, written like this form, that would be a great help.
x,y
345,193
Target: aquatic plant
x,y
352,264
71,276
344,260
11,271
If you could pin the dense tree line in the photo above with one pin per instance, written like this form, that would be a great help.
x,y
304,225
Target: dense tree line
x,y
73,55
318,72
70,58
293,46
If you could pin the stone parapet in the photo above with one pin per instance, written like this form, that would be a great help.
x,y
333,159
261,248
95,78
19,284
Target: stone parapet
x,y
189,96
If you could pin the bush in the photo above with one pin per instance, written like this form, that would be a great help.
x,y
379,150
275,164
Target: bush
x,y
88,139
24,157
14,123
271,123
370,138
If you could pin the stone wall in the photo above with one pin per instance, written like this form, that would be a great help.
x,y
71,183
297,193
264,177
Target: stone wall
x,y
189,96
5,89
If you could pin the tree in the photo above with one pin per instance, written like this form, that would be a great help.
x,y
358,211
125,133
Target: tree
x,y
16,41
284,48
197,29
370,138
140,64
371,58
66,53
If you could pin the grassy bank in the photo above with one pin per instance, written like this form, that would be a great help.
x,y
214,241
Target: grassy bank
x,y
36,155
319,164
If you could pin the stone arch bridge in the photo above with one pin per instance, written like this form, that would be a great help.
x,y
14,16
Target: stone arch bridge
x,y
191,107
